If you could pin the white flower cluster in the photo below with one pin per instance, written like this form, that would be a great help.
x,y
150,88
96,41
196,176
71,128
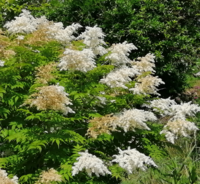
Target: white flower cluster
x,y
56,31
120,77
162,106
49,176
168,107
2,63
183,110
4,179
147,85
94,38
134,118
177,124
132,159
77,60
145,64
51,97
25,23
91,164
178,127
119,53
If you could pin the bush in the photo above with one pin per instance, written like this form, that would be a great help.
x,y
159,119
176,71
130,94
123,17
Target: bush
x,y
169,29
72,104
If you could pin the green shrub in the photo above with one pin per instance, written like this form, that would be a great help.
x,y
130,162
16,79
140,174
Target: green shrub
x,y
61,95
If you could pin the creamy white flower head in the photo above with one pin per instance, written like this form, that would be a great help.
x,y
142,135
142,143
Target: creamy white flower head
x,y
168,107
178,127
25,23
51,97
135,118
131,159
2,63
64,36
93,37
145,64
183,110
120,52
162,106
49,176
147,85
77,60
54,29
120,77
91,164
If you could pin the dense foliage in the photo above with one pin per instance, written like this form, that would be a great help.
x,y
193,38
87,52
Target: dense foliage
x,y
62,95
169,29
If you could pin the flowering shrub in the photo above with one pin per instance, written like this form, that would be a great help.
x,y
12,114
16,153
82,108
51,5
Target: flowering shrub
x,y
62,95
153,26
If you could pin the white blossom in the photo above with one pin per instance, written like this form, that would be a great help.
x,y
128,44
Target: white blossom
x,y
177,125
47,177
168,107
2,63
175,128
162,106
183,110
147,85
145,64
120,52
132,159
56,31
25,23
51,97
120,77
77,60
135,118
93,37
91,164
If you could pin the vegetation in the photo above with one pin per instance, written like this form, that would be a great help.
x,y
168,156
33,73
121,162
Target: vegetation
x,y
169,29
66,95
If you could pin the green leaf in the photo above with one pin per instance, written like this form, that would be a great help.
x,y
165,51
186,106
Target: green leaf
x,y
37,145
